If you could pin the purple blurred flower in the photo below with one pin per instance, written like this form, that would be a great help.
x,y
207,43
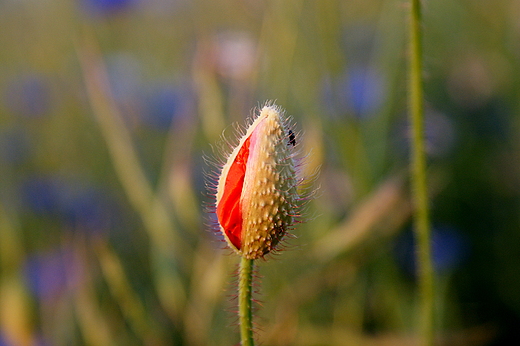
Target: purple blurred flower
x,y
106,7
86,207
40,195
360,91
3,341
29,96
449,249
50,274
363,90
153,104
77,204
164,103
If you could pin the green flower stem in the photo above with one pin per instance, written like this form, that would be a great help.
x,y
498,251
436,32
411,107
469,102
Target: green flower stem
x,y
418,178
245,313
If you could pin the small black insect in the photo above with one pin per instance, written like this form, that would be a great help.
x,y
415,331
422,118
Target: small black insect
x,y
292,138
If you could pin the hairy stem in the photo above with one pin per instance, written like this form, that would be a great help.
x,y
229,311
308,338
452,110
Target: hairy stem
x,y
418,178
245,289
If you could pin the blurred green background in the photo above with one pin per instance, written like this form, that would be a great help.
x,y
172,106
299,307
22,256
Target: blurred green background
x,y
108,107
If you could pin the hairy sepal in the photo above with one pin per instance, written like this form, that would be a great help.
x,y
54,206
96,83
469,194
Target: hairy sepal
x,y
257,199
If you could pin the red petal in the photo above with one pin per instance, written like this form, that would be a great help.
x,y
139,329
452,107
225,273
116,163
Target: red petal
x,y
229,211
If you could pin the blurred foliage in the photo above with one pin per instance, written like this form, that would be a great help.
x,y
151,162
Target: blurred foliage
x,y
108,106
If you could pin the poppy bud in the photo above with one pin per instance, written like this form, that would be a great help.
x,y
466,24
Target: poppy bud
x,y
257,197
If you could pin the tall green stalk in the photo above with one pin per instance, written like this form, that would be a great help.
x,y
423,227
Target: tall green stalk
x,y
418,178
245,289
